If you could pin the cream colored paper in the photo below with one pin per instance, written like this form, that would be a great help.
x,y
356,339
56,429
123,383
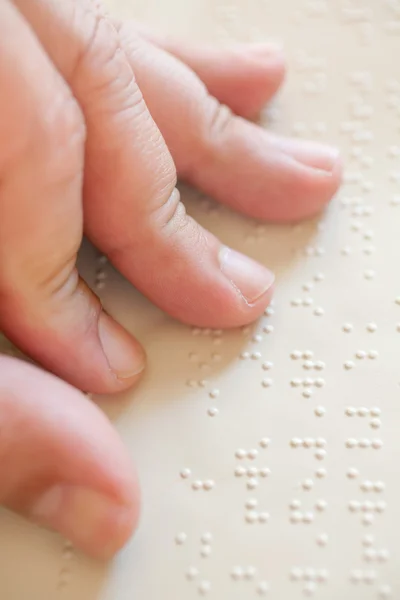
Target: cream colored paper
x,y
310,394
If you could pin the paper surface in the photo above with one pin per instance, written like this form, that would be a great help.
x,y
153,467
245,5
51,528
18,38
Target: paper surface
x,y
269,456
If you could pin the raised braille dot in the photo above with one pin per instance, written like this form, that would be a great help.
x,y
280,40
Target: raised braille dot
x,y
308,517
349,364
308,484
206,538
321,505
354,506
370,554
308,354
181,538
372,354
322,539
321,473
251,516
257,338
240,471
385,591
203,383
308,442
191,383
295,442
296,517
352,473
383,555
379,486
364,443
263,517
267,365
263,588
214,393
377,444
251,503
252,484
250,573
375,423
269,311
307,287
252,472
319,382
320,411
368,518
307,393
319,312
295,504
255,355
367,486
308,364
319,365
244,355
240,453
266,383
356,576
361,354
237,573
204,587
208,485
351,443
296,574
375,411
205,551
347,327
268,329
213,411
296,302
185,473
372,327
362,411
216,357
252,454
368,540
350,411
320,454
192,573
264,472
295,382
309,574
369,577
197,485
265,442
380,506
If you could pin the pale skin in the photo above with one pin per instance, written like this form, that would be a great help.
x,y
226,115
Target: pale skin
x,y
97,120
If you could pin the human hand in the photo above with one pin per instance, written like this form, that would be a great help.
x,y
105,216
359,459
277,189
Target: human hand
x,y
81,149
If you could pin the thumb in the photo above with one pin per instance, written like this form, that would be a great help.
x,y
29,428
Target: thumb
x,y
62,464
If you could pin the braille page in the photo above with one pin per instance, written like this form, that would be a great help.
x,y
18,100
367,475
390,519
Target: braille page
x,y
269,455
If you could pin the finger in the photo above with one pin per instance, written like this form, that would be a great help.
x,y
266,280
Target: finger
x,y
244,76
132,208
235,161
62,464
44,307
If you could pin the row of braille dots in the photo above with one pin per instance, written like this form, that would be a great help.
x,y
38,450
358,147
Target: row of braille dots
x,y
368,508
205,542
375,443
252,472
64,575
360,355
310,577
252,515
308,363
319,443
362,411
298,516
247,574
101,273
370,327
206,485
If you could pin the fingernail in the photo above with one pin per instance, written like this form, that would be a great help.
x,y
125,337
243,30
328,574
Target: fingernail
x,y
124,355
313,154
245,274
91,521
